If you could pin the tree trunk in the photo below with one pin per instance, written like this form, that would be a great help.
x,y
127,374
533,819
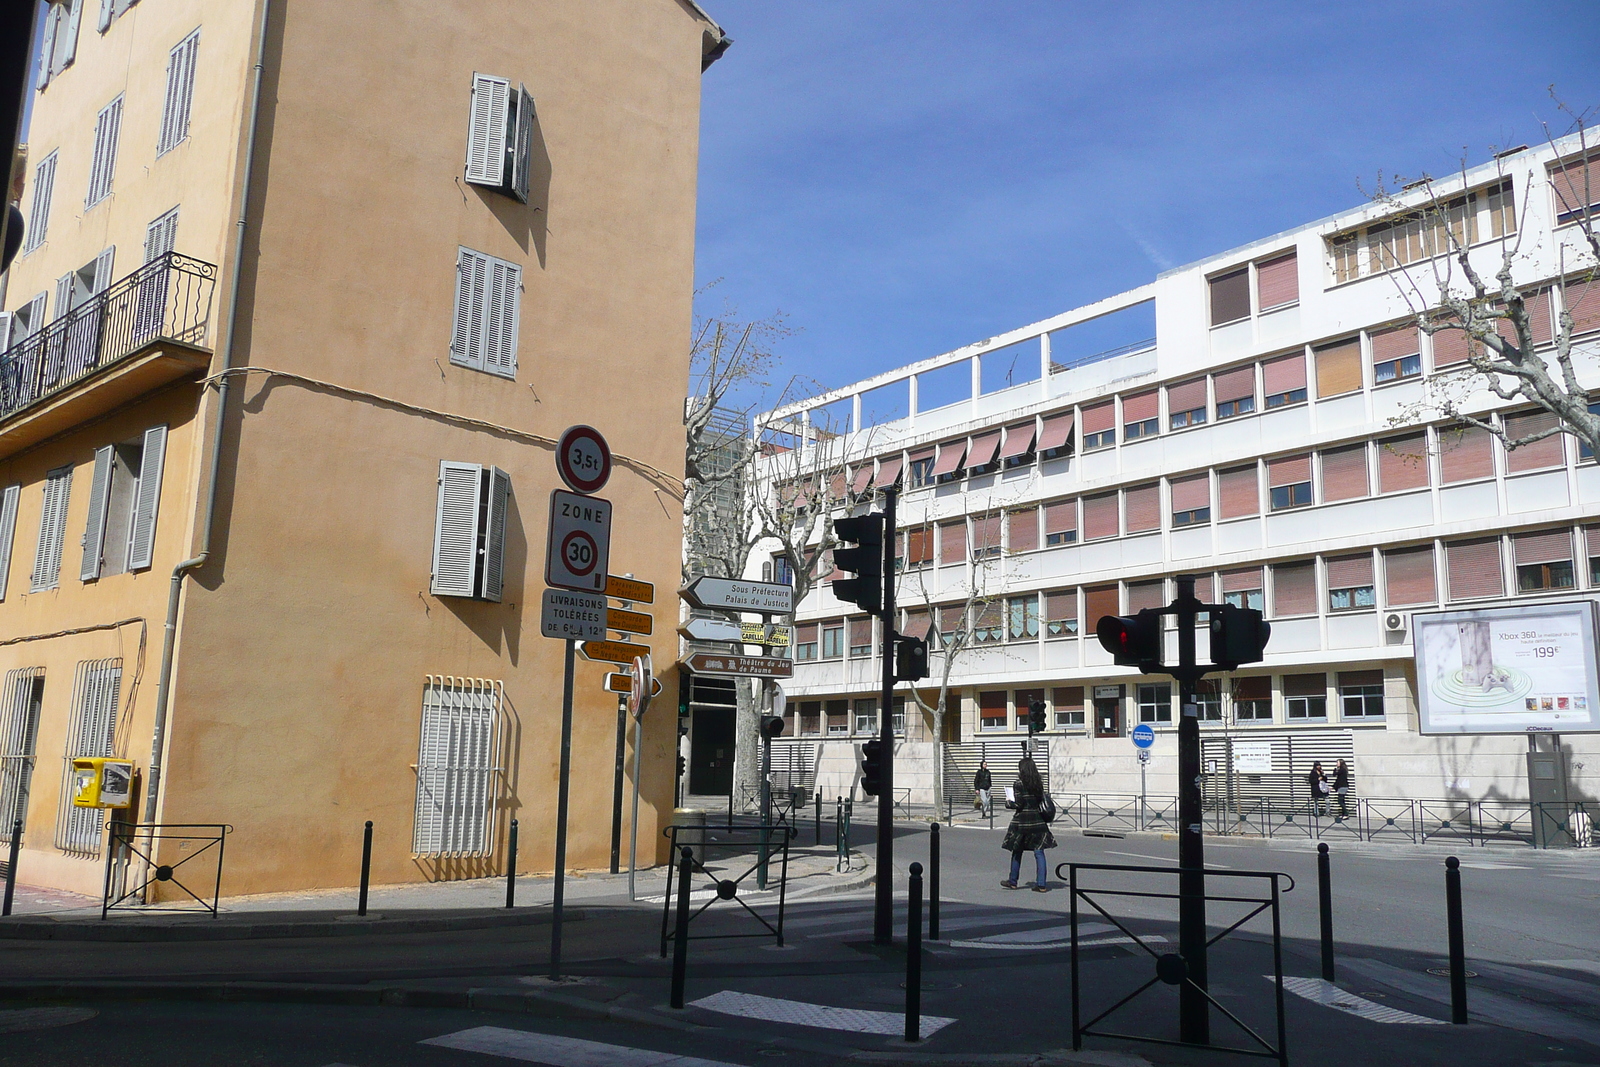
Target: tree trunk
x,y
747,743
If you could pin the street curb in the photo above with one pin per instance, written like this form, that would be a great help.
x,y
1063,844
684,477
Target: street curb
x,y
23,928
1062,1057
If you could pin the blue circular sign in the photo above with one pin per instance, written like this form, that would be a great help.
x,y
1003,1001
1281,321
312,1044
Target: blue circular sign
x,y
1143,736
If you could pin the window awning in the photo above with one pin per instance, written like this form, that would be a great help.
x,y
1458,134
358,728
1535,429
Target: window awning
x,y
863,478
888,472
1057,432
1019,440
983,449
950,456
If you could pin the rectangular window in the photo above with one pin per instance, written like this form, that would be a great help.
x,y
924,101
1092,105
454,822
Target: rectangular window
x,y
1230,296
1473,568
1278,282
458,754
1099,426
1408,577
1576,183
115,515
103,163
921,469
1294,589
1536,455
948,466
52,530
1155,702
19,735
952,621
1236,391
1396,354
1243,588
179,98
1403,463
833,639
981,458
988,623
1339,368
1100,601
782,570
1544,560
1022,617
1018,449
91,731
1290,482
1142,507
1285,380
1055,439
1144,428
1465,454
1239,492
953,542
470,532
10,499
919,546
1060,522
985,536
1100,516
1140,415
1502,209
1068,702
1022,528
1208,700
1061,613
1143,595
1305,696
488,292
1361,694
1186,404
1591,540
805,641
838,717
992,711
866,712
1344,474
889,468
810,718
1191,500
60,43
1252,699
861,637
500,136
44,180
1350,583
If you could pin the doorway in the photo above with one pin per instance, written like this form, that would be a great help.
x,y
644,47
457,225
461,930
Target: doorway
x,y
1108,711
711,751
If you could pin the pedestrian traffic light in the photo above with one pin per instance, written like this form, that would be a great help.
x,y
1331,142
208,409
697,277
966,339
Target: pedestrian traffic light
x,y
871,766
1132,640
1238,635
771,726
1036,716
910,659
683,765
864,560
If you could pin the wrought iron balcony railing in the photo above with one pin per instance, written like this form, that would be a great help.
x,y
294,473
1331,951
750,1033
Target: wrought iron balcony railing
x,y
167,299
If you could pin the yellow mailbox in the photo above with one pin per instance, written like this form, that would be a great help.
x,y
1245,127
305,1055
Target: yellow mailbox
x,y
99,782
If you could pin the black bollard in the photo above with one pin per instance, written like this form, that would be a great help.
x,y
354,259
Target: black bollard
x,y
1458,941
914,955
511,867
680,938
1325,901
366,867
933,881
949,808
819,819
11,867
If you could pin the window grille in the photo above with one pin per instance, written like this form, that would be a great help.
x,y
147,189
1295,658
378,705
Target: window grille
x,y
91,731
19,730
457,765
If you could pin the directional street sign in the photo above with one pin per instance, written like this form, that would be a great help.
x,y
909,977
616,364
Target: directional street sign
x,y
712,630
730,594
610,651
630,590
1143,736
584,459
629,622
756,633
573,616
740,666
579,545
623,683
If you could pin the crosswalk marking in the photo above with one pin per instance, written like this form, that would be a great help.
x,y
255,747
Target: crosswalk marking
x,y
799,1013
1324,992
562,1051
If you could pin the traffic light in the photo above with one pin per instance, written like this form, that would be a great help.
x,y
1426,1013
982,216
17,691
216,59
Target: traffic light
x,y
871,766
1238,635
865,561
910,659
683,765
1132,640
771,726
1036,716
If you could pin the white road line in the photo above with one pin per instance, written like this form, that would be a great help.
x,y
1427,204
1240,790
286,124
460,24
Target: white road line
x,y
1321,991
1153,939
1048,933
1161,859
562,1051
799,1013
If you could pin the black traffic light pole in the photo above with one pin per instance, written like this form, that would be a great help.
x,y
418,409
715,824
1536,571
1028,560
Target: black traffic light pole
x,y
883,897
1194,1020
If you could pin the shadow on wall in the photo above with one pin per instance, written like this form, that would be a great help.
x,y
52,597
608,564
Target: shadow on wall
x,y
500,625
526,222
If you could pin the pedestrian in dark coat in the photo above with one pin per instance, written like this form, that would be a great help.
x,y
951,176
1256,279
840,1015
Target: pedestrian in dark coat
x,y
1318,781
982,783
1341,786
1028,831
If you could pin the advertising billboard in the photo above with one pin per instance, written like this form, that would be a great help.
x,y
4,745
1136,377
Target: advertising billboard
x,y
1507,670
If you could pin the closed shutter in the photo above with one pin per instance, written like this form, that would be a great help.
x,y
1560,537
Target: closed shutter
x,y
1278,282
1577,186
94,535
1189,494
1582,301
103,163
160,236
179,100
952,542
806,633
1140,406
103,265
455,537
1019,440
472,281
985,534
1236,384
1397,342
141,546
1348,572
1230,296
486,130
67,35
861,631
500,333
1305,685
494,551
91,731
1591,539
1143,595
1465,454
1289,470
1067,698
1256,687
1143,507
522,158
1061,613
1061,516
64,289
1186,396
952,619
1543,546
1338,368
1100,601
52,17
52,530
1099,516
1344,473
1242,580
1408,577
1284,374
1403,463
1545,452
9,500
456,758
919,548
1099,417
1473,568
1294,589
44,181
1239,492
1023,529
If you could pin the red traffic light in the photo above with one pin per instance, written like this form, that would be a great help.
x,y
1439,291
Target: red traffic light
x,y
1132,640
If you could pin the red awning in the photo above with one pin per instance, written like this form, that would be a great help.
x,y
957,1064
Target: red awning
x,y
983,450
950,456
1019,439
888,472
1057,432
863,478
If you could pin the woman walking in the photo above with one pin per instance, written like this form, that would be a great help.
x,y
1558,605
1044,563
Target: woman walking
x,y
1341,786
1028,832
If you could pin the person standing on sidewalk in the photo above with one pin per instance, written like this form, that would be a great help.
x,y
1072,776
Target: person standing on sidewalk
x,y
1318,781
1028,832
1341,786
982,783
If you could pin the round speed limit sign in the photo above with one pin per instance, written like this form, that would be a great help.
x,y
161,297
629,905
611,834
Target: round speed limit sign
x,y
579,552
584,459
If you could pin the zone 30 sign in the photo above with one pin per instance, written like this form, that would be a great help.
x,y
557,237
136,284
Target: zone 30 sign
x,y
579,548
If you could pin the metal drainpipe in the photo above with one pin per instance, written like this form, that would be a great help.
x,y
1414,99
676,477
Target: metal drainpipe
x,y
170,637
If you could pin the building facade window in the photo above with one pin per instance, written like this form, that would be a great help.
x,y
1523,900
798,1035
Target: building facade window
x,y
1155,702
1361,694
1285,380
1294,589
921,470
1060,523
810,718
1191,500
1230,296
838,717
91,731
866,710
985,536
861,637
805,641
988,623
1022,529
52,530
500,136
782,570
833,639
1061,613
1022,617
992,711
1305,696
1243,588
1068,704
1252,699
103,163
458,755
44,180
1543,560
1289,480
1350,583
179,99
953,542
1208,700
488,294
1235,391
1099,426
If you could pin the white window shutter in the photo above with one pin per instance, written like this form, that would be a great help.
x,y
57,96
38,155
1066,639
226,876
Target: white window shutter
x,y
47,50
6,320
52,530
105,15
67,36
142,539
494,552
44,180
102,269
160,236
64,293
472,278
486,130
94,534
455,531
500,333
36,309
179,99
522,160
8,531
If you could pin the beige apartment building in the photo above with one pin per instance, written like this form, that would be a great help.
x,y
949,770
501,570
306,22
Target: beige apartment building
x,y
307,293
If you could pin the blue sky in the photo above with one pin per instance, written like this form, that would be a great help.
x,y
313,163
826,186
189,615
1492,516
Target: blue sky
x,y
902,177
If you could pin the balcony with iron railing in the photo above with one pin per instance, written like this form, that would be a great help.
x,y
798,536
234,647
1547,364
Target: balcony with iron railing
x,y
140,333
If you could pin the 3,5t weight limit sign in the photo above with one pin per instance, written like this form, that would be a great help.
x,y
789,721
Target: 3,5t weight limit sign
x,y
578,551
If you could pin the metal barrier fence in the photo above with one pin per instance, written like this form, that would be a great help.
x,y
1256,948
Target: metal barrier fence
x,y
1470,822
716,851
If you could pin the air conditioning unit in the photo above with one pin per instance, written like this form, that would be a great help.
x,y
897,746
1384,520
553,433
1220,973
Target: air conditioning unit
x,y
1396,622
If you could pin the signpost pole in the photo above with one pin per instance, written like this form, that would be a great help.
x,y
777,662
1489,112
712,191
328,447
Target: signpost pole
x,y
616,783
633,825
561,814
766,800
883,897
1194,1022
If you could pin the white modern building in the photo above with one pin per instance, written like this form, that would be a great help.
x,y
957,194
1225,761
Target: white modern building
x,y
1276,438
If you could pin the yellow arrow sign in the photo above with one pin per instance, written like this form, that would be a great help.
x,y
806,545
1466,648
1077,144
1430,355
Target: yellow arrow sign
x,y
611,651
628,589
623,683
629,622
